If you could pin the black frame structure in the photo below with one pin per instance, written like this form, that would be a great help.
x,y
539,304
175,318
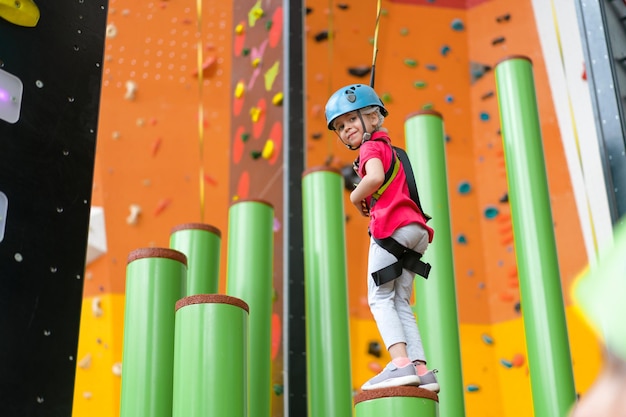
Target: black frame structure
x,y
46,173
603,35
293,254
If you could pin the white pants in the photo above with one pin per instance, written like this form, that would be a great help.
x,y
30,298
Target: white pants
x,y
390,303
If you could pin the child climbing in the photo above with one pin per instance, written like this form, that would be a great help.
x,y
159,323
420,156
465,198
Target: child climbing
x,y
397,226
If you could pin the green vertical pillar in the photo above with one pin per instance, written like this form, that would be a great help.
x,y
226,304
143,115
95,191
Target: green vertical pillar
x,y
155,280
436,297
551,376
397,402
326,296
201,244
250,277
210,366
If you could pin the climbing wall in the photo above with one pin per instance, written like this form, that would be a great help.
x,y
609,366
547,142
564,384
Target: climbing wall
x,y
191,121
440,55
256,168
50,71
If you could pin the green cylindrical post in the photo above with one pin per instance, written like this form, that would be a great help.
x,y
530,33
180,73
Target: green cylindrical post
x,y
436,297
398,402
201,244
155,280
210,366
551,376
326,296
249,277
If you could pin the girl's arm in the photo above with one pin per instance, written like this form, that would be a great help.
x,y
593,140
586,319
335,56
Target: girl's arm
x,y
372,181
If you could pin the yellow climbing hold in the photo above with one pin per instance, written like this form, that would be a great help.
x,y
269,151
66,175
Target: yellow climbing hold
x,y
255,114
20,12
270,76
277,100
268,149
256,62
255,13
239,89
239,29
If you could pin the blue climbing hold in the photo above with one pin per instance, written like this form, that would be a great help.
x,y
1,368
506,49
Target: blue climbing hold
x,y
472,388
506,363
444,50
484,116
487,339
457,24
491,212
464,187
461,239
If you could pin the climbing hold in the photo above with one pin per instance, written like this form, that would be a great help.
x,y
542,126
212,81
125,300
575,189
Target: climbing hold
x,y
484,116
487,95
445,49
245,137
410,62
268,149
375,367
374,349
386,97
404,31
316,135
210,180
431,67
419,84
584,73
457,25
491,212
278,389
487,339
506,363
85,362
162,205
472,388
239,29
461,239
359,71
343,6
156,145
256,62
477,70
96,307
256,154
131,90
518,360
277,100
239,89
276,226
321,36
207,66
268,24
133,217
111,31
464,187
449,98
427,106
503,18
504,198
116,369
498,40
245,51
518,307
21,13
255,114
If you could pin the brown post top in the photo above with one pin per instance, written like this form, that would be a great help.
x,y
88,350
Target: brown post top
x,y
142,253
404,391
196,226
212,299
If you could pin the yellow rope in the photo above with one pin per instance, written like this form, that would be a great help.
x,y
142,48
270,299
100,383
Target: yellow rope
x,y
200,105
375,51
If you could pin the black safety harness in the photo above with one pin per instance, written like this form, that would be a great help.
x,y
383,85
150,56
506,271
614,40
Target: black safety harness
x,y
406,258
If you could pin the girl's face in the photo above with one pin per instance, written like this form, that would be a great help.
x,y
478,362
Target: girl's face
x,y
350,129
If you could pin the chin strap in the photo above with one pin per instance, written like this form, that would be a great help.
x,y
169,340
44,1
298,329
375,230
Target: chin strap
x,y
366,136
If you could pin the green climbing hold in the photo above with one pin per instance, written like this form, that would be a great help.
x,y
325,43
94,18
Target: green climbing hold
x,y
419,84
404,31
410,62
427,106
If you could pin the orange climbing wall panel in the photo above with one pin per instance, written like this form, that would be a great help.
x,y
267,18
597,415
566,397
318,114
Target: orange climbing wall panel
x,y
432,54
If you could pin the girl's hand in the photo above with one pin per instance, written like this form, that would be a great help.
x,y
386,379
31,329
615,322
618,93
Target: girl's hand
x,y
365,210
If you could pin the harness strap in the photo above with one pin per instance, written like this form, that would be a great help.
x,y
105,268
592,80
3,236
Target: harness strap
x,y
407,259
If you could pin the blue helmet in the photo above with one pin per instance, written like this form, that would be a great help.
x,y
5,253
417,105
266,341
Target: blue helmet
x,y
350,98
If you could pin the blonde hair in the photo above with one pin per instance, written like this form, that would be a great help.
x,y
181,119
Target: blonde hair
x,y
374,109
